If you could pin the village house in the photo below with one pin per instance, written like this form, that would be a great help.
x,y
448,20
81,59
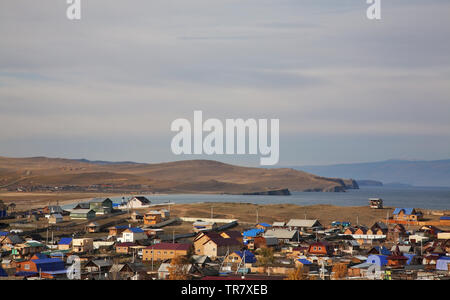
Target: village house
x,y
283,235
263,226
136,216
53,209
98,268
55,218
101,206
215,244
46,268
8,240
82,245
137,202
125,248
65,244
92,227
379,228
164,270
132,235
238,257
152,217
27,249
82,214
262,242
216,247
397,259
117,230
320,249
163,251
406,214
304,225
127,271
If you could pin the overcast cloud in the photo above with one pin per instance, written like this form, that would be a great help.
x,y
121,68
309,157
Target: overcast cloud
x,y
345,89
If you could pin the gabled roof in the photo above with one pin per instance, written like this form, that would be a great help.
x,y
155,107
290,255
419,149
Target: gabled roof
x,y
65,241
81,211
303,223
170,246
281,233
220,241
142,199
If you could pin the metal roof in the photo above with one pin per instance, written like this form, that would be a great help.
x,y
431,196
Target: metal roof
x,y
302,223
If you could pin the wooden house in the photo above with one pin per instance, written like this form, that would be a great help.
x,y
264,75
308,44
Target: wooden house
x,y
163,251
407,214
117,230
125,248
92,227
82,245
65,244
320,249
152,217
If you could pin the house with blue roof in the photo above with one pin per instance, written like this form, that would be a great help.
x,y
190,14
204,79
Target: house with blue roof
x,y
133,234
407,214
46,268
65,243
241,257
251,233
263,226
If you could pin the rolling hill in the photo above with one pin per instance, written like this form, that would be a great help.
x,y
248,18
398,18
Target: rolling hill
x,y
190,176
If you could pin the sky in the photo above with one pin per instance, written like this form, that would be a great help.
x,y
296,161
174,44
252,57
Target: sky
x,y
107,87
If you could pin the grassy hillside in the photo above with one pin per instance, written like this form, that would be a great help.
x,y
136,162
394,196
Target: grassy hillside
x,y
191,176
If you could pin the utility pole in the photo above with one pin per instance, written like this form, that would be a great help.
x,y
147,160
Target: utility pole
x,y
257,216
212,212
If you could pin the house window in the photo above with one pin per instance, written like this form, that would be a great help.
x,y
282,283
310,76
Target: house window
x,y
27,267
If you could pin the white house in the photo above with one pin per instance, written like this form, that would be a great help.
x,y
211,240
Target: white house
x,y
132,235
136,202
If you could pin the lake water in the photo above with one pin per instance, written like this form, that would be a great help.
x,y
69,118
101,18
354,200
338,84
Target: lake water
x,y
417,197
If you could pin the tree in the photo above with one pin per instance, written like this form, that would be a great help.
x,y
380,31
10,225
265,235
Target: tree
x,y
339,271
266,257
297,274
179,269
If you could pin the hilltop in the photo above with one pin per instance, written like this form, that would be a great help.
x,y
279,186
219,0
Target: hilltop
x,y
190,176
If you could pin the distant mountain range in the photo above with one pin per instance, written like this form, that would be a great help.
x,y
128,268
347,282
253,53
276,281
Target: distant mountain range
x,y
400,172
